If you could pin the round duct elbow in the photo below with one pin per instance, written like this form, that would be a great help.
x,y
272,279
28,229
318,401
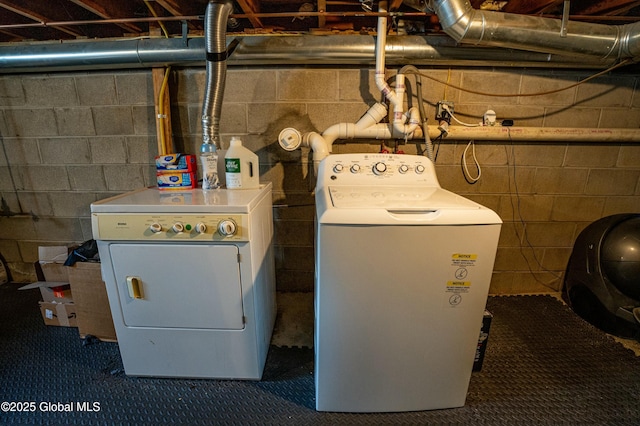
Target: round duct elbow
x,y
454,16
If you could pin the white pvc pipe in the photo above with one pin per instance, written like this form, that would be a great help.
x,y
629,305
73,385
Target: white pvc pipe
x,y
369,126
538,134
322,144
381,42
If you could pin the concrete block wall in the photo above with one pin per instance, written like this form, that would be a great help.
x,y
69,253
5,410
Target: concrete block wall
x,y
71,138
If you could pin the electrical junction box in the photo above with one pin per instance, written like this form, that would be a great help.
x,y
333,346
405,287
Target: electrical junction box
x,y
441,110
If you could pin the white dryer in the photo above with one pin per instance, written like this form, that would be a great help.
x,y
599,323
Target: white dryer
x,y
402,274
191,280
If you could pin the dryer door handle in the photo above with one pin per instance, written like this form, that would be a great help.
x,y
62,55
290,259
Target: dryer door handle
x,y
134,286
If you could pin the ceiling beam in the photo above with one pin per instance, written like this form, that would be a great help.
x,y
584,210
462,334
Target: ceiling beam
x,y
177,8
250,8
607,7
395,5
110,9
322,7
530,6
39,12
182,8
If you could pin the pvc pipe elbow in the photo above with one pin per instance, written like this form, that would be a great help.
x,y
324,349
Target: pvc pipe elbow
x,y
406,130
318,145
373,116
384,87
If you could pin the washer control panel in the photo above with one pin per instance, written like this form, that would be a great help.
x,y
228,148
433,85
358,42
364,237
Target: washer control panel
x,y
353,169
170,227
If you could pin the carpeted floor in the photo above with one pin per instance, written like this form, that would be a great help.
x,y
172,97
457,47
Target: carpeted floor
x,y
543,365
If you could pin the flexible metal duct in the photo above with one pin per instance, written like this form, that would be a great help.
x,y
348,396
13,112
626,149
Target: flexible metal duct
x,y
215,27
465,24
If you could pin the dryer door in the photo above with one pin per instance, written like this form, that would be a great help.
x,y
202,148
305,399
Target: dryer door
x,y
178,286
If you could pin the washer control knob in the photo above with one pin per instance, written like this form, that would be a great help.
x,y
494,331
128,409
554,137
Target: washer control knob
x,y
177,227
379,168
355,168
338,168
155,227
419,169
403,168
227,228
201,228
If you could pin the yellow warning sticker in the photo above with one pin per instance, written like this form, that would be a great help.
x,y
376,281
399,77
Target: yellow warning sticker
x,y
463,260
461,256
462,267
459,284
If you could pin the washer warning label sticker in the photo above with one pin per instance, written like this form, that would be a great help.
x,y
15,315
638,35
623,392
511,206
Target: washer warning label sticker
x,y
460,259
459,282
458,286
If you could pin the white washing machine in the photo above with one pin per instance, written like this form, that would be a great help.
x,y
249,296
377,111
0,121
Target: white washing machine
x,y
402,274
191,280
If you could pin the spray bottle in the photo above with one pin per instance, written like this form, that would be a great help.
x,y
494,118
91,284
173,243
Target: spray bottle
x,y
209,159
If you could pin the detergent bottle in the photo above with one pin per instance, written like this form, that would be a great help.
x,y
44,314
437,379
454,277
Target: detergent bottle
x,y
241,166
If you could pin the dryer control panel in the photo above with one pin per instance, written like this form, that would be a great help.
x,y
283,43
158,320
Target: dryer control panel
x,y
371,169
170,227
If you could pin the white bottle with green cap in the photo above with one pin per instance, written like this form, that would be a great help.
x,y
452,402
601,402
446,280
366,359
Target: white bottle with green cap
x,y
241,166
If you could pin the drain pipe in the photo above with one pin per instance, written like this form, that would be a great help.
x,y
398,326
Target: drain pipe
x,y
368,126
396,99
381,43
466,24
215,26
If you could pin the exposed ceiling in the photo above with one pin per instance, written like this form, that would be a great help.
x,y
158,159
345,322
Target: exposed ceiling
x,y
47,20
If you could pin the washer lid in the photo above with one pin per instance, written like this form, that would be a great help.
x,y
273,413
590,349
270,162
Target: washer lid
x,y
419,198
398,205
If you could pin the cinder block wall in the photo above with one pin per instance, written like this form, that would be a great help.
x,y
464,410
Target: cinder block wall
x,y
72,138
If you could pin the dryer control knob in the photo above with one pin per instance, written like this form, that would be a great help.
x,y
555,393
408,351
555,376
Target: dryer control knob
x,y
227,228
155,227
403,168
177,227
419,169
201,228
379,168
355,168
338,168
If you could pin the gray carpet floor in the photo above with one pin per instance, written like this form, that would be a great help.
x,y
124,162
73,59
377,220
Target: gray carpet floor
x,y
543,365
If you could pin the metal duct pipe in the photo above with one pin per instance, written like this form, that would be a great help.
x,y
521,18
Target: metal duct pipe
x,y
355,50
215,30
465,24
88,55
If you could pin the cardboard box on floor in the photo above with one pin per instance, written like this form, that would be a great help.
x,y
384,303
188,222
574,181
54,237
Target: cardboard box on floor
x,y
58,314
90,298
57,307
73,296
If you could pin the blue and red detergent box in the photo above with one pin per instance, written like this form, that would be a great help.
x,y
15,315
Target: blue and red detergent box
x,y
176,171
176,162
177,180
